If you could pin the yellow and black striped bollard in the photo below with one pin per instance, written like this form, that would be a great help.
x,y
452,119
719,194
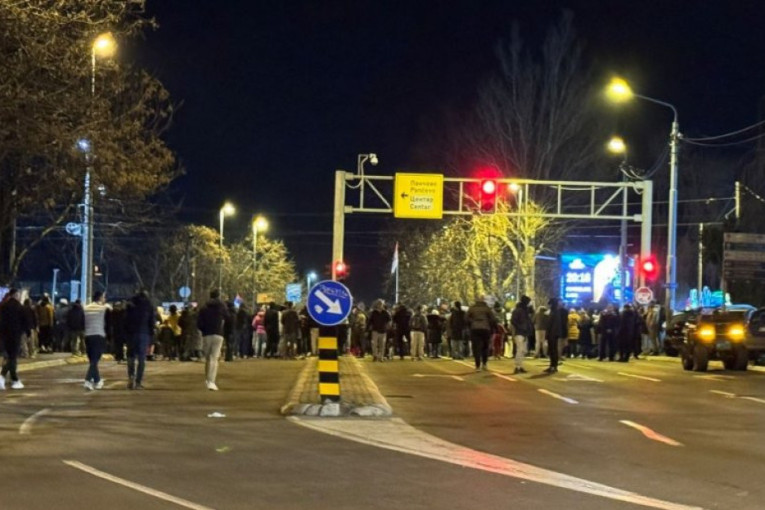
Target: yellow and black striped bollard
x,y
329,370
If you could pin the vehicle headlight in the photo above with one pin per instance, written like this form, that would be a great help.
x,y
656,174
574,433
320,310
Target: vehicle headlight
x,y
706,333
736,332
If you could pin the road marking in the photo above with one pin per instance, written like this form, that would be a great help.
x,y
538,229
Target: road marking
x,y
26,427
646,378
135,486
754,399
580,377
723,393
560,397
650,433
495,374
456,377
397,435
715,377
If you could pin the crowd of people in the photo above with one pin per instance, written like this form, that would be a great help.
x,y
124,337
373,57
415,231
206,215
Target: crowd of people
x,y
134,331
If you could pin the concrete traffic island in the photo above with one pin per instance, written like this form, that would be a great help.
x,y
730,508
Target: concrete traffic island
x,y
359,395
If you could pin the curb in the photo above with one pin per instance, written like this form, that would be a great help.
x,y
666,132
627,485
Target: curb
x,y
71,360
359,394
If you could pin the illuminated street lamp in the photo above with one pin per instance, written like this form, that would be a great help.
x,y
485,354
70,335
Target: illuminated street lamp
x,y
617,146
619,91
259,224
226,210
309,279
104,46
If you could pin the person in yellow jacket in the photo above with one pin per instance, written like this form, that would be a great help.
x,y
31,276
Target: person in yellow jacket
x,y
573,333
45,324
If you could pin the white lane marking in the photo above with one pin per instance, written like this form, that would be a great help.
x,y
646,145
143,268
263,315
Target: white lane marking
x,y
754,399
715,377
456,377
135,486
397,435
495,374
650,433
646,378
580,377
26,427
560,397
723,393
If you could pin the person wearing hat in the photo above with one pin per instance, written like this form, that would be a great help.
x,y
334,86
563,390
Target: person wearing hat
x,y
522,327
13,324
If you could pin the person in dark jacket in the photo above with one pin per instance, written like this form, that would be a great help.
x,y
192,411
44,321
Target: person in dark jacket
x,y
13,324
229,332
556,331
117,331
402,333
243,328
435,333
75,324
290,329
626,335
29,343
140,321
457,326
378,324
522,328
481,322
271,323
211,322
608,326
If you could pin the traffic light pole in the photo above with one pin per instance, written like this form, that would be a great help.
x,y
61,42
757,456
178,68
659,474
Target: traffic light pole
x,y
338,222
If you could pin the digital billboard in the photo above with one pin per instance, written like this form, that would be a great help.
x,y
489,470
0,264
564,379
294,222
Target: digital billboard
x,y
588,278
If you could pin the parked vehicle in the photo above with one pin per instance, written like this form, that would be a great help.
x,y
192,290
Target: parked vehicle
x,y
725,334
674,336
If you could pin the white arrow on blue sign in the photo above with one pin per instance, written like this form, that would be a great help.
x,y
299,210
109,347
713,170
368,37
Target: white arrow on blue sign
x,y
329,302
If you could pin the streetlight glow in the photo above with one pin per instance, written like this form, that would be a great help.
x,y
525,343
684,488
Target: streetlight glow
x,y
618,90
259,224
228,209
616,145
105,45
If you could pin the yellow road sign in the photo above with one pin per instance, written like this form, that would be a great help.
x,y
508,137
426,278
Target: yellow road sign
x,y
418,196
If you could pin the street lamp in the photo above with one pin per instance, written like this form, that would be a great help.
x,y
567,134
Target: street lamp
x,y
259,224
104,46
617,146
619,91
309,278
226,210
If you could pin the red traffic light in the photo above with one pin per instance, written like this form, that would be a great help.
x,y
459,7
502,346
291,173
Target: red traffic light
x,y
489,187
649,268
341,269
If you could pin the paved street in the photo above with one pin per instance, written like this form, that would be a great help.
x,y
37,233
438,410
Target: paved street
x,y
594,436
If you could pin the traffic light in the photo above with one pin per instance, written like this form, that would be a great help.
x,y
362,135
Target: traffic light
x,y
488,195
649,268
341,270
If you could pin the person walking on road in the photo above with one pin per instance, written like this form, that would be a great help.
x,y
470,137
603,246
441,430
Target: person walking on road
x,y
522,327
45,323
402,334
210,322
271,323
13,324
379,322
140,321
96,317
481,322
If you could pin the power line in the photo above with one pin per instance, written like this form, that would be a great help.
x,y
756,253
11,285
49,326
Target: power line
x,y
725,135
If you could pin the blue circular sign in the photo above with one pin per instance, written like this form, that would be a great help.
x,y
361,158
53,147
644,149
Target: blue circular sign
x,y
329,302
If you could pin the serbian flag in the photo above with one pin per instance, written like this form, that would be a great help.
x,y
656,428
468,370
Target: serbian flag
x,y
394,266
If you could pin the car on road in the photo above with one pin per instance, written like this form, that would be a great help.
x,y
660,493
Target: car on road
x,y
674,336
728,334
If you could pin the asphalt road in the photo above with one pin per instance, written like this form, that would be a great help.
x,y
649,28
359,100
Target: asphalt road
x,y
459,439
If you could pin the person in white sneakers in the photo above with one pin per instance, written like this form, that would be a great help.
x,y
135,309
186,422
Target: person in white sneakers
x,y
13,324
210,322
96,314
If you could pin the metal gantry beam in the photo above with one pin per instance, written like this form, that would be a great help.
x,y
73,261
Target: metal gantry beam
x,y
573,200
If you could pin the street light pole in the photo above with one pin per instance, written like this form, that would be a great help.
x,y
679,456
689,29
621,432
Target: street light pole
x,y
226,210
104,46
259,224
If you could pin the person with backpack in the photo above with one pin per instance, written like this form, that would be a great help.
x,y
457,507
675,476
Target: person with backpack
x,y
482,322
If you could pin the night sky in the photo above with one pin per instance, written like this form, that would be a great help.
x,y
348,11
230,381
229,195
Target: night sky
x,y
278,94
